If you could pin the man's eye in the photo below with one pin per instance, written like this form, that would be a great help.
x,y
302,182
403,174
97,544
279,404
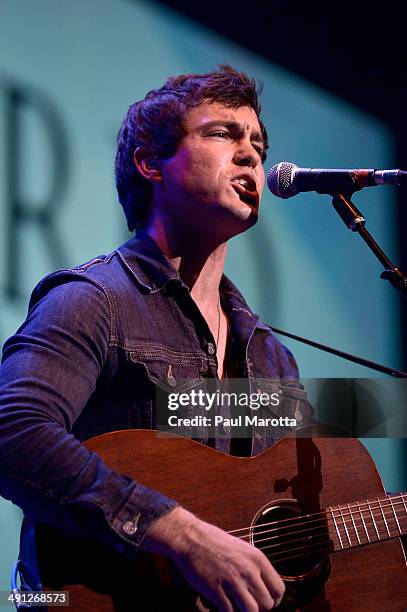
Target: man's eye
x,y
221,133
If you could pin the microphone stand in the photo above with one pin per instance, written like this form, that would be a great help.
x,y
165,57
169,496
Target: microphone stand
x,y
355,221
333,351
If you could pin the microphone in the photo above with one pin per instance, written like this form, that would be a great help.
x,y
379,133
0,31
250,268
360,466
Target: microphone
x,y
286,180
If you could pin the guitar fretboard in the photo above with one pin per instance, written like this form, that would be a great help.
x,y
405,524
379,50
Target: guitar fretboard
x,y
361,523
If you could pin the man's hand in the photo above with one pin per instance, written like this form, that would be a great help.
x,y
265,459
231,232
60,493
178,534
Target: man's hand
x,y
229,572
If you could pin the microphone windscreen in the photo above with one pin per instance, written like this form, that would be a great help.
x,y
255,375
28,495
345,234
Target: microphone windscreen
x,y
280,180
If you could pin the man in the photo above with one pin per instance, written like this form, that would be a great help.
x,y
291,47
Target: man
x,y
98,338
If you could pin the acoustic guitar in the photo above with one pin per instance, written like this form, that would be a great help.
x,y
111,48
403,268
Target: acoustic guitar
x,y
315,506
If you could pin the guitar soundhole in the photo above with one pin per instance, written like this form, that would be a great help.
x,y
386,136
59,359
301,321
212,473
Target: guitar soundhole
x,y
294,539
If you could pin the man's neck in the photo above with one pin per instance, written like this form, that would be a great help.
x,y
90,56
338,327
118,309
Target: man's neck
x,y
200,265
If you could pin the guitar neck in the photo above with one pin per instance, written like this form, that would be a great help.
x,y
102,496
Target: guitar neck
x,y
365,522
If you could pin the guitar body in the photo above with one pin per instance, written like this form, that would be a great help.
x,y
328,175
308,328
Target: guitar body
x,y
229,492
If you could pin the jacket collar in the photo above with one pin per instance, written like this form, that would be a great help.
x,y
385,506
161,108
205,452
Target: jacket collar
x,y
147,263
149,266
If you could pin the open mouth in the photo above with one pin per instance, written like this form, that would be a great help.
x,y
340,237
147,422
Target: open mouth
x,y
246,189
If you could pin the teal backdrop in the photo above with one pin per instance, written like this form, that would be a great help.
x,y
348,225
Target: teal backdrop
x,y
68,72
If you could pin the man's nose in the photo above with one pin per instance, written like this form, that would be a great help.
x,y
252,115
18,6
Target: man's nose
x,y
246,154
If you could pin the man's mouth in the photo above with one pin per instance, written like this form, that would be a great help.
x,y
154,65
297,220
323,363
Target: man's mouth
x,y
246,189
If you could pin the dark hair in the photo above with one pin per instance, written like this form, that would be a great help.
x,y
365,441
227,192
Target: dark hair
x,y
156,122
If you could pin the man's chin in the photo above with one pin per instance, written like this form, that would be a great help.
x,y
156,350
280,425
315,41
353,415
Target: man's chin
x,y
230,218
251,220
238,220
247,213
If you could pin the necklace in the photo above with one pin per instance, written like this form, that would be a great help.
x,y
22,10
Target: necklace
x,y
217,336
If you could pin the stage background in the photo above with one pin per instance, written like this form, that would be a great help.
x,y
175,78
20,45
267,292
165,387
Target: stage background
x,y
68,72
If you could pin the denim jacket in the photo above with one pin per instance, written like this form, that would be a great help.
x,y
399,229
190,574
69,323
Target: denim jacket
x,y
97,341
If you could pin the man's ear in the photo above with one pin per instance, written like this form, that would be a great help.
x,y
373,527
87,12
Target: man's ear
x,y
147,165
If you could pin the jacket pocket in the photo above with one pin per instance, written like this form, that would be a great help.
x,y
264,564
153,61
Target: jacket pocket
x,y
172,371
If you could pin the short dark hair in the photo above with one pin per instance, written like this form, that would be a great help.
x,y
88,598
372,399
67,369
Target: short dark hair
x,y
156,122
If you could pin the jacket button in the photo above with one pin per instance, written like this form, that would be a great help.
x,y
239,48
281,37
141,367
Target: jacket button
x,y
211,349
171,378
297,414
130,527
171,381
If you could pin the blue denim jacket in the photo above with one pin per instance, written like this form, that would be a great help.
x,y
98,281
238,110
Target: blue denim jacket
x,y
97,341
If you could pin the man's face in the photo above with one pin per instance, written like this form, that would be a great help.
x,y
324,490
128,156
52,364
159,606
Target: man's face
x,y
216,178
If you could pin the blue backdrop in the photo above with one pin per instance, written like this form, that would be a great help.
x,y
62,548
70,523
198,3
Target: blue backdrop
x,y
68,72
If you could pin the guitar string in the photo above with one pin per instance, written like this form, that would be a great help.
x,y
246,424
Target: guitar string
x,y
316,547
323,533
361,507
252,530
352,524
304,552
279,536
320,546
278,557
358,505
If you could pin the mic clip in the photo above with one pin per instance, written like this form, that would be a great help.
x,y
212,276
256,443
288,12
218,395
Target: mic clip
x,y
350,215
355,221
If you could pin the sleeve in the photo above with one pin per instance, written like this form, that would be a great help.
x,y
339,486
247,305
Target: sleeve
x,y
49,370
